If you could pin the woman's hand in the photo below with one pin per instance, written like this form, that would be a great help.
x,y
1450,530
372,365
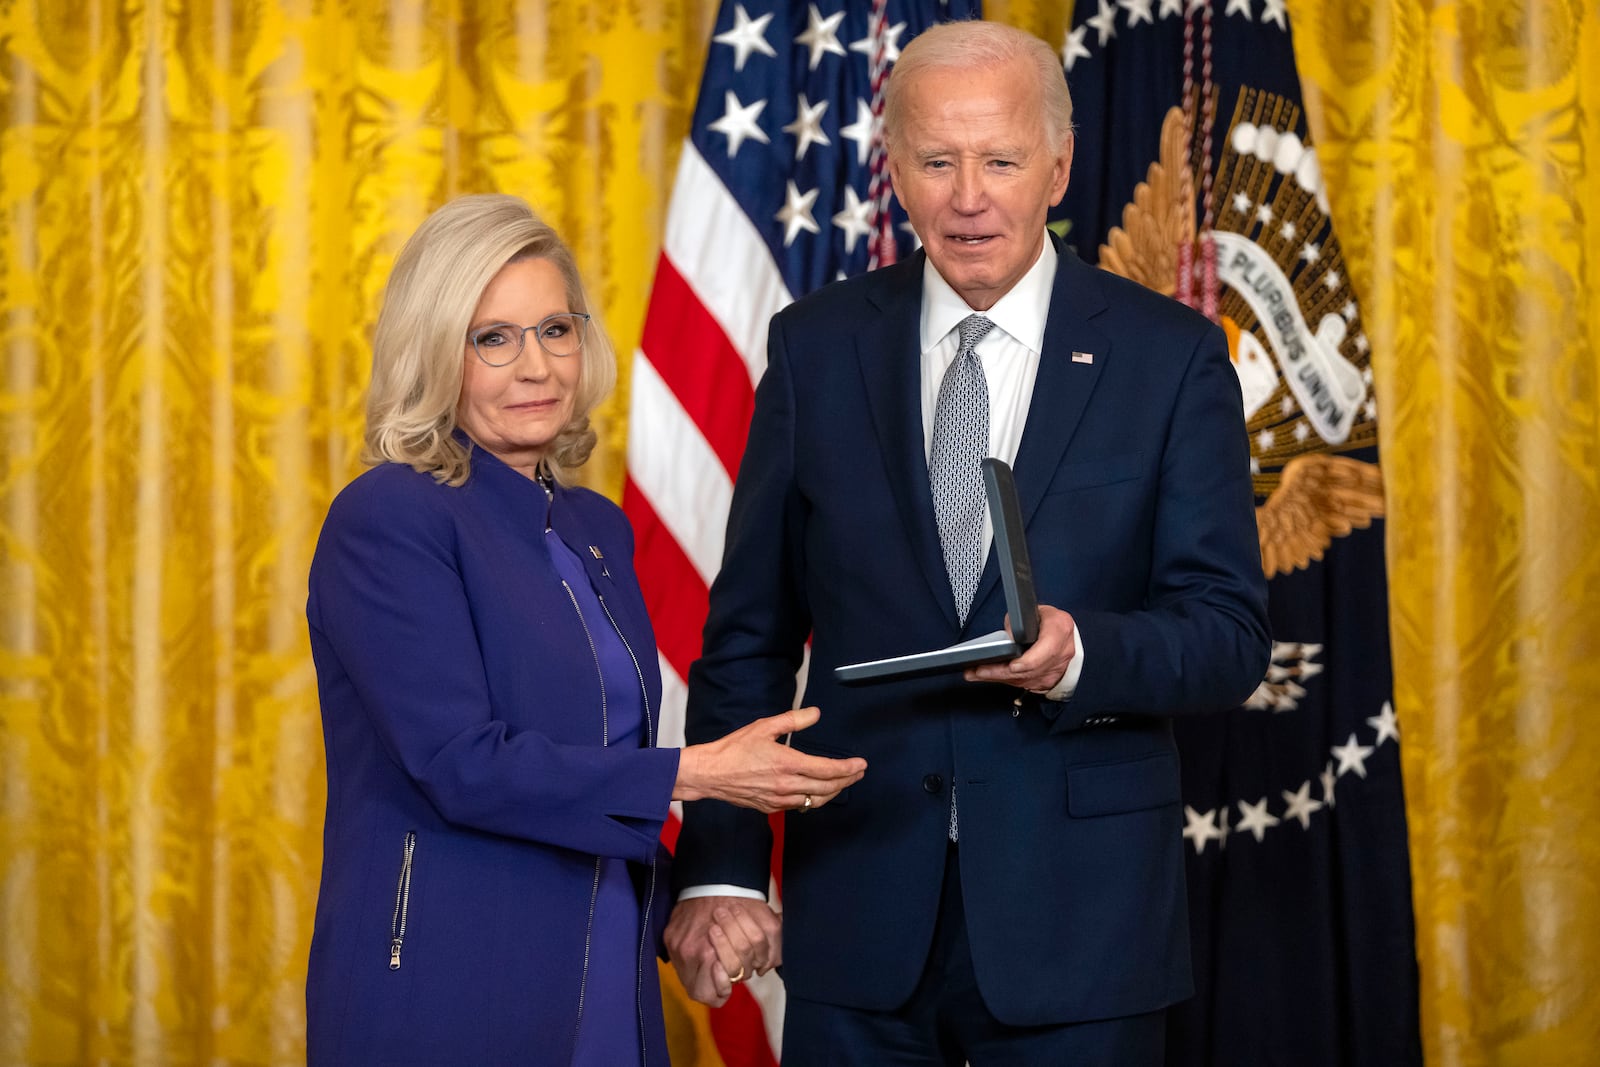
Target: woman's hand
x,y
754,768
716,942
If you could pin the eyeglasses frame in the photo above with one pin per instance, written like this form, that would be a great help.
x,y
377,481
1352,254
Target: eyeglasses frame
x,y
583,318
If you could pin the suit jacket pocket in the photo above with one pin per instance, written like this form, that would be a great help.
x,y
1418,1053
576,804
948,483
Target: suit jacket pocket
x,y
1132,785
402,901
1088,474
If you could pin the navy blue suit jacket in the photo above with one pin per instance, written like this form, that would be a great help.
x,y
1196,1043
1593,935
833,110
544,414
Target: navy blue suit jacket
x,y
462,714
1133,473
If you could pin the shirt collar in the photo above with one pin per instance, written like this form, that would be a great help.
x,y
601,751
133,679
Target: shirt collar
x,y
1021,313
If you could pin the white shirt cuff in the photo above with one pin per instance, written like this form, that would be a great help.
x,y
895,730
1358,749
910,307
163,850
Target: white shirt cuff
x,y
690,892
1063,689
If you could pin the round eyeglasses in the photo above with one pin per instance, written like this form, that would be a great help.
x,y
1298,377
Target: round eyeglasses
x,y
501,343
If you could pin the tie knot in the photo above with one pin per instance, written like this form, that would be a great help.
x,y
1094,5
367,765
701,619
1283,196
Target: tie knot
x,y
972,330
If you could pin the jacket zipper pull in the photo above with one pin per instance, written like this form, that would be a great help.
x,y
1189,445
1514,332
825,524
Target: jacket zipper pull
x,y
394,954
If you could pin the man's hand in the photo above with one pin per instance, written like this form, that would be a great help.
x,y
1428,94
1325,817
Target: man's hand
x,y
1041,667
711,939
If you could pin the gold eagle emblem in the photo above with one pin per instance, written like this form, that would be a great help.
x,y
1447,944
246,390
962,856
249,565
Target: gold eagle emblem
x,y
1319,497
1314,496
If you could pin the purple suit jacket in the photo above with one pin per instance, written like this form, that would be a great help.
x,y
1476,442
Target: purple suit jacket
x,y
468,791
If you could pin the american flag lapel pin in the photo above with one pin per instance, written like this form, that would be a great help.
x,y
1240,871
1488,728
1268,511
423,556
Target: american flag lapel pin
x,y
1083,357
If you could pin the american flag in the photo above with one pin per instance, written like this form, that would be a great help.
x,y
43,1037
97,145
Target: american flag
x,y
781,188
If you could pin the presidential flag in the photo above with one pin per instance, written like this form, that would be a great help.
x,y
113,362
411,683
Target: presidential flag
x,y
1195,175
782,187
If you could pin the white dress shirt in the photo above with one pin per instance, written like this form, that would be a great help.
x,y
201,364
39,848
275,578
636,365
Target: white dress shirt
x,y
1010,357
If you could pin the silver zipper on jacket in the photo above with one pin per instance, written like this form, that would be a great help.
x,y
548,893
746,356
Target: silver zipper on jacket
x,y
638,978
605,721
650,895
402,903
605,741
644,692
588,940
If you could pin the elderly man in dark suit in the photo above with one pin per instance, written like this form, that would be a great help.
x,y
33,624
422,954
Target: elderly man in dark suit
x,y
1006,886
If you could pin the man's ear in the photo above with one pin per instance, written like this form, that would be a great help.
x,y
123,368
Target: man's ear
x,y
1063,175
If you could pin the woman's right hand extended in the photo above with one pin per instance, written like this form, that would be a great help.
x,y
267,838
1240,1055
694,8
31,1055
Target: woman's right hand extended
x,y
754,768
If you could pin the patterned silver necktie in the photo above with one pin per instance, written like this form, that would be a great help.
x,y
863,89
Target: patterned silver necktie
x,y
955,473
955,464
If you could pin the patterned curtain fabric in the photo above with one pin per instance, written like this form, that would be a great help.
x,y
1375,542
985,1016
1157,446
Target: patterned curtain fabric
x,y
1460,147
200,202
198,205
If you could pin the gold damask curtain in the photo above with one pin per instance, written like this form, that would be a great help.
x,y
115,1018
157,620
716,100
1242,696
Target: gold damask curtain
x,y
1461,145
198,205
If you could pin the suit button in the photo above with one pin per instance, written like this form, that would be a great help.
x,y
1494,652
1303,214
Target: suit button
x,y
932,783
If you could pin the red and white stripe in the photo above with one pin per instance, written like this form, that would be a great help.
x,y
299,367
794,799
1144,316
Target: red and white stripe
x,y
694,375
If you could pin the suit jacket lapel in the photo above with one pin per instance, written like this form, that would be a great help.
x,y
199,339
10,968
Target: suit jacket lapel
x,y
889,350
1060,391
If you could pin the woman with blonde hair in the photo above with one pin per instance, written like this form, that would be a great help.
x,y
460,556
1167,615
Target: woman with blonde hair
x,y
493,885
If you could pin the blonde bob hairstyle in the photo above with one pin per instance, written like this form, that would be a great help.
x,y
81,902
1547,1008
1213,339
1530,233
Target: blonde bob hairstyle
x,y
421,336
976,45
